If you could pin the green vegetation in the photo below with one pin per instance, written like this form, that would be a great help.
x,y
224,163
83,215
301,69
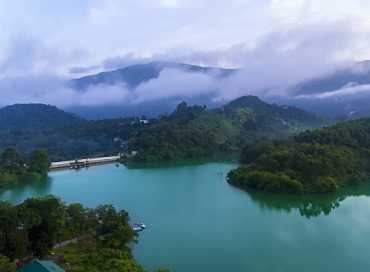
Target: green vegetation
x,y
187,133
6,265
15,168
314,161
193,132
65,136
88,255
100,238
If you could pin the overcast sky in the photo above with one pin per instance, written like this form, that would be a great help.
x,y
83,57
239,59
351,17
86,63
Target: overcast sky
x,y
67,38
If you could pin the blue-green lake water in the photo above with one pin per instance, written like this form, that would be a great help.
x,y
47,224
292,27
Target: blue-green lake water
x,y
197,222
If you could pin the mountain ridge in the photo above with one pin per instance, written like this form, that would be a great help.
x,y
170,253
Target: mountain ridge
x,y
67,136
193,132
35,116
134,75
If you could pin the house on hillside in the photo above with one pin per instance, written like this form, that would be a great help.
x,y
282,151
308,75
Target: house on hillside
x,y
41,266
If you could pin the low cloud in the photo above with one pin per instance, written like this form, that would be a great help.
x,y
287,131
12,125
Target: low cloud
x,y
349,90
53,90
174,83
112,63
276,63
27,55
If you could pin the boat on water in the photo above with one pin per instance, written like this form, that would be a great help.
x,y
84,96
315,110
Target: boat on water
x,y
138,227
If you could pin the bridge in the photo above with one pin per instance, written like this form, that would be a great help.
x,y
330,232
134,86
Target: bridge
x,y
76,164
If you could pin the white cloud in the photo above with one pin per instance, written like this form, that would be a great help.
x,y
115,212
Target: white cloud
x,y
53,90
348,90
169,3
278,42
107,28
173,83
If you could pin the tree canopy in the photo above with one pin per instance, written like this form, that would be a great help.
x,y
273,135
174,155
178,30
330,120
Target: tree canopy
x,y
34,227
195,132
318,161
17,168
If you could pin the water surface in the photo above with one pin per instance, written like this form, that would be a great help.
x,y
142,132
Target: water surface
x,y
197,222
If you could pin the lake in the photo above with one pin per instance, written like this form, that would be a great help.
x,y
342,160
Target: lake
x,y
197,222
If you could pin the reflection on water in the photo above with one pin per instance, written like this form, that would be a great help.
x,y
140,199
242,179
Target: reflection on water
x,y
308,205
17,193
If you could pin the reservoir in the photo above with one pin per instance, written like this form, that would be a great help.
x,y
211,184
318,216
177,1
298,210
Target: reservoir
x,y
197,222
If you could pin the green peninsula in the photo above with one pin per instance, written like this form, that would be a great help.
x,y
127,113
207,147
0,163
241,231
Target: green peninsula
x,y
316,161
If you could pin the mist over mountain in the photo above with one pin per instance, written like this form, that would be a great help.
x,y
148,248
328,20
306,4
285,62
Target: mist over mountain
x,y
153,88
135,75
354,75
157,87
345,93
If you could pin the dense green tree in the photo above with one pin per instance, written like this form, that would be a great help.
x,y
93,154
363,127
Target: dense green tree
x,y
193,132
6,265
11,161
17,168
86,256
103,235
39,162
9,223
320,161
45,234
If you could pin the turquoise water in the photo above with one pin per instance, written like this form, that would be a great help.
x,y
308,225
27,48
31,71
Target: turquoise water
x,y
197,222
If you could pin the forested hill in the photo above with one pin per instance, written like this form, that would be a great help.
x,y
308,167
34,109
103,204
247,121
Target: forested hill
x,y
260,111
189,132
353,134
34,117
63,135
193,132
314,161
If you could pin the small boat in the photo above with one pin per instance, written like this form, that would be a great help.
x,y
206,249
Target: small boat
x,y
138,227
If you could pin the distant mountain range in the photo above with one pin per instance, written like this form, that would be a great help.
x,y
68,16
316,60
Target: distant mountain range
x,y
135,75
132,77
302,95
357,74
335,103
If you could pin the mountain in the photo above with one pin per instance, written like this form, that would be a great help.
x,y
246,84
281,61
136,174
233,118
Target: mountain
x,y
285,115
35,117
336,103
64,135
188,131
305,95
194,132
134,75
357,74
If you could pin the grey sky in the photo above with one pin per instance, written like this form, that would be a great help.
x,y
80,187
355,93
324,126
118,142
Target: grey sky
x,y
285,40
108,28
